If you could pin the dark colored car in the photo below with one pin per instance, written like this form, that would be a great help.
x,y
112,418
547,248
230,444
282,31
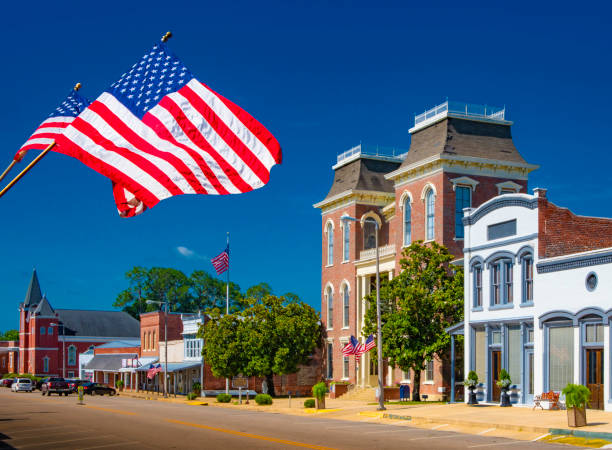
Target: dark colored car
x,y
97,389
7,382
74,384
40,382
55,385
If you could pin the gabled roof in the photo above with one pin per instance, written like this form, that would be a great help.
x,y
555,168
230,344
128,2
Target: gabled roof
x,y
118,324
463,137
363,174
121,344
34,295
44,308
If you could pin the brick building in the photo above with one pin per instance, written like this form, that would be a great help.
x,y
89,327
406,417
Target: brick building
x,y
460,156
50,340
9,357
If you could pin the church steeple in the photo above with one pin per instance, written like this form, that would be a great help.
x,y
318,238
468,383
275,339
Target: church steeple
x,y
34,294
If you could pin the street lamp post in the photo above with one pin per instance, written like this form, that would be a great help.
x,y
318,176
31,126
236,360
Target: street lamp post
x,y
381,387
63,348
165,303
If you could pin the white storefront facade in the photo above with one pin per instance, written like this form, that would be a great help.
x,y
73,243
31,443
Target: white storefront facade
x,y
545,319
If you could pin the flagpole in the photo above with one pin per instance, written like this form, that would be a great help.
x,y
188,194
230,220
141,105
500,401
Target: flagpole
x,y
8,169
27,169
227,300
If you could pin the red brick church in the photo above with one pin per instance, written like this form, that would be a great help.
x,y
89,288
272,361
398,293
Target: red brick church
x,y
460,156
50,340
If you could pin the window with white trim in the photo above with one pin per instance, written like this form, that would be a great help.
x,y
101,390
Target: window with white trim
x,y
330,308
193,346
345,367
330,244
407,221
330,360
501,282
429,370
430,207
72,355
345,306
463,199
369,235
346,233
477,274
527,281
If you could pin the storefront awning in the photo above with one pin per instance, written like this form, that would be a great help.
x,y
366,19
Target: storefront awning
x,y
140,363
173,366
456,330
109,363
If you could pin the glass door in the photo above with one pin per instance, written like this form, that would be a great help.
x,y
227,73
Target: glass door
x,y
594,375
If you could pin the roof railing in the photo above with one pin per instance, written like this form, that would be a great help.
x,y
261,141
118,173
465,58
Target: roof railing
x,y
461,109
390,153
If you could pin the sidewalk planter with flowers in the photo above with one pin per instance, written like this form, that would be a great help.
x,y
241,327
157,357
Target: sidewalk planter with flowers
x,y
471,383
318,391
504,383
576,399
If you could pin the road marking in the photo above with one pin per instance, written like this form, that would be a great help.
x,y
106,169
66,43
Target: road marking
x,y
486,431
431,437
497,443
384,431
252,436
439,426
117,411
540,437
62,442
110,445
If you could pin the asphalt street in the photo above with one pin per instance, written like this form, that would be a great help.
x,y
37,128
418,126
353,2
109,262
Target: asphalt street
x,y
29,420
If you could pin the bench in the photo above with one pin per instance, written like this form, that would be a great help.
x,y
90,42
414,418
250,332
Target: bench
x,y
551,397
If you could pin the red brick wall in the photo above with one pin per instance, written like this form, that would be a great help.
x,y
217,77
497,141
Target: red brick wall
x,y
152,324
118,350
562,232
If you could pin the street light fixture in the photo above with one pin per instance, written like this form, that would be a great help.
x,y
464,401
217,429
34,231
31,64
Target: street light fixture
x,y
381,388
165,304
63,348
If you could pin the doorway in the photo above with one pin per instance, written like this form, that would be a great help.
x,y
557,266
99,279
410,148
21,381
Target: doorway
x,y
594,377
528,376
495,369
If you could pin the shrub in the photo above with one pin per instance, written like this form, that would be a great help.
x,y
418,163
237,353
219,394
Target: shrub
x,y
263,399
319,390
119,384
197,388
191,396
224,398
10,375
504,379
472,379
576,395
310,403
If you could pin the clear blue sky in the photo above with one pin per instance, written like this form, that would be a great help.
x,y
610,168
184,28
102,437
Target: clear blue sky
x,y
322,79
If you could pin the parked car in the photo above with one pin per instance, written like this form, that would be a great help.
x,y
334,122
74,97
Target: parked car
x,y
7,382
97,389
75,383
55,384
22,384
40,382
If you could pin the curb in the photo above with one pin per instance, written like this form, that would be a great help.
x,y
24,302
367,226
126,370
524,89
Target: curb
x,y
584,434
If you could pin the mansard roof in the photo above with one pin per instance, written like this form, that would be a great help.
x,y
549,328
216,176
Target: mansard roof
x,y
34,294
463,137
363,174
99,323
44,308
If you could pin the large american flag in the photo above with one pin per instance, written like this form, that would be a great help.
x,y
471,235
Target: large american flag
x,y
158,132
221,262
350,347
55,124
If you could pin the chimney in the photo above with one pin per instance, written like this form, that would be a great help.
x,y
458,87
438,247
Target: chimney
x,y
540,192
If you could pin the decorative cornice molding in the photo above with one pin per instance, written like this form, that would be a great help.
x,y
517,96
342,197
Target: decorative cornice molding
x,y
497,203
373,198
502,243
574,262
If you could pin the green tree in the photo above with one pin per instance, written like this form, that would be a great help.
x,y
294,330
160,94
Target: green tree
x,y
416,308
209,293
272,336
9,335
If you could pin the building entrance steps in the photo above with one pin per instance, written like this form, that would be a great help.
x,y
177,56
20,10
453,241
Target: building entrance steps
x,y
361,394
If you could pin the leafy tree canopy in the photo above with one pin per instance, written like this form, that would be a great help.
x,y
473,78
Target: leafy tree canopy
x,y
416,308
9,335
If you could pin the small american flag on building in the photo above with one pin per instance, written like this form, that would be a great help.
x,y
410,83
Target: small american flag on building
x,y
349,348
54,125
368,345
155,369
221,262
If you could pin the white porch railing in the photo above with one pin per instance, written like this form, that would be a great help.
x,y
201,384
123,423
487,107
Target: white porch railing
x,y
370,253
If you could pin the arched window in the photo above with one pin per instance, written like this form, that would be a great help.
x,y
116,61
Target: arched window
x,y
345,306
330,308
72,355
407,221
477,283
330,244
501,282
430,206
369,235
527,278
346,233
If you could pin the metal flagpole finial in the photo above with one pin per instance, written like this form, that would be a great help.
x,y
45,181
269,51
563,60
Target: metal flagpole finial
x,y
166,36
77,86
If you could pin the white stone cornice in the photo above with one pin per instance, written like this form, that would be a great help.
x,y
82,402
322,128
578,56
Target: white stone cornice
x,y
373,198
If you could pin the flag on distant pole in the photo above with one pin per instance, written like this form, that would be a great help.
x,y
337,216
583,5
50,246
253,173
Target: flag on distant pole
x,y
368,345
154,370
159,132
221,262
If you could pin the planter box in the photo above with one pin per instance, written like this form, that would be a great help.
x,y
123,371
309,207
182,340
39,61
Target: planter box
x,y
392,393
576,417
337,390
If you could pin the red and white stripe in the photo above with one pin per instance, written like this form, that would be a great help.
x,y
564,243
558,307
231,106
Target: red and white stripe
x,y
193,141
221,262
45,134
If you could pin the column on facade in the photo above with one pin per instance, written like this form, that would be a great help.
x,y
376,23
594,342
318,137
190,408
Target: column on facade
x,y
452,357
577,354
363,293
487,362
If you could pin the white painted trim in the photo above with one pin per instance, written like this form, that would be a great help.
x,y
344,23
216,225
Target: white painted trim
x,y
327,223
508,185
344,339
405,193
374,216
464,181
95,338
40,348
426,188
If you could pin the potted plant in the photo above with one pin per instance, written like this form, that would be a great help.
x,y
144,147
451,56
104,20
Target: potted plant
x,y
318,391
197,389
576,399
471,382
119,385
504,383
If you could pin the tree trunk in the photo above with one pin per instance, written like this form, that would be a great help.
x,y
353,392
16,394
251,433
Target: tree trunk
x,y
416,387
270,381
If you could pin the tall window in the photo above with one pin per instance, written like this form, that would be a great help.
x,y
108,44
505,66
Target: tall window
x,y
430,206
463,199
477,271
72,355
515,353
480,353
330,360
50,331
560,357
42,330
501,282
495,282
346,232
407,222
46,364
527,264
330,308
345,306
429,370
369,235
345,367
153,341
508,282
330,244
